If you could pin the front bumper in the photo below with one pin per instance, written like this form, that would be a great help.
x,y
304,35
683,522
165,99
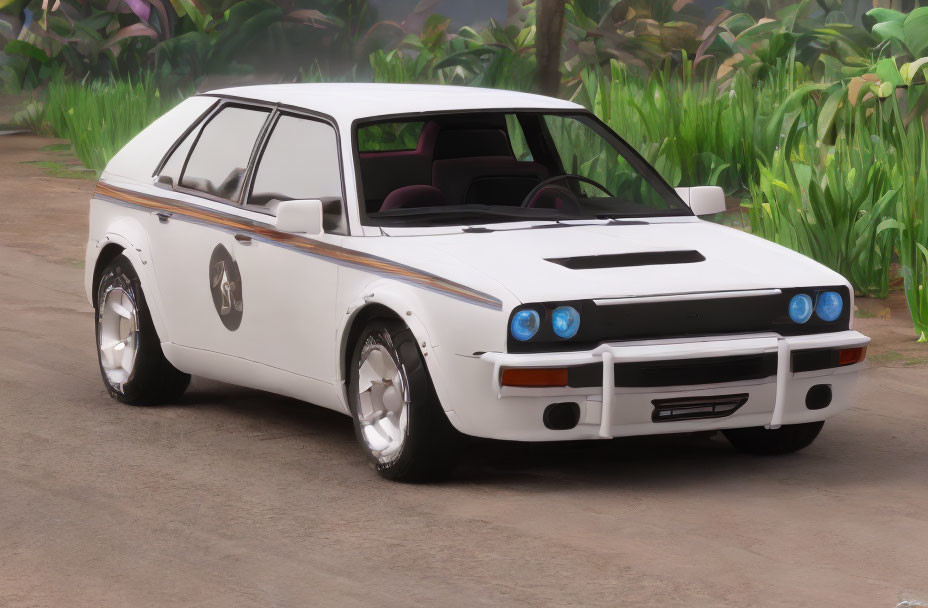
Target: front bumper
x,y
611,410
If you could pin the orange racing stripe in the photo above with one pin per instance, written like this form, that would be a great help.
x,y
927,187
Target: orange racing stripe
x,y
334,253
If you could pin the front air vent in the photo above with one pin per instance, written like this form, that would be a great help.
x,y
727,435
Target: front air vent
x,y
695,408
624,260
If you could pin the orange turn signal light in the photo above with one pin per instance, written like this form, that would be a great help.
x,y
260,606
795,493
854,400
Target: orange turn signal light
x,y
536,377
850,356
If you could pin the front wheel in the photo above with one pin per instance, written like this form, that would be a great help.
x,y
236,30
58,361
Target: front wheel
x,y
784,440
397,417
133,367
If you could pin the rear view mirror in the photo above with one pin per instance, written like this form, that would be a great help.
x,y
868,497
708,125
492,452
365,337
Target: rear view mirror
x,y
301,216
703,200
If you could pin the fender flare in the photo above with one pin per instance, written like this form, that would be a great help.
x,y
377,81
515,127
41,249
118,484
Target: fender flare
x,y
407,305
132,237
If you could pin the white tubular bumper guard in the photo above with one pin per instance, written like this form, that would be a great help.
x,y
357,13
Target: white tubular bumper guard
x,y
669,350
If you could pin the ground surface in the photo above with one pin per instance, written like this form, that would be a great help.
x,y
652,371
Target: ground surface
x,y
238,498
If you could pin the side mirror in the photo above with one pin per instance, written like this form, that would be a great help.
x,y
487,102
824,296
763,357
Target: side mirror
x,y
303,216
703,200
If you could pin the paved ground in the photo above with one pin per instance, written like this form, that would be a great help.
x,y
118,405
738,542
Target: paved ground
x,y
239,498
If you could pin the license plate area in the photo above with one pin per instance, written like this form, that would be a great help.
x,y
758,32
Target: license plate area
x,y
696,408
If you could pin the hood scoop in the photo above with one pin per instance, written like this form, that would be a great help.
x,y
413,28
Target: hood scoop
x,y
622,260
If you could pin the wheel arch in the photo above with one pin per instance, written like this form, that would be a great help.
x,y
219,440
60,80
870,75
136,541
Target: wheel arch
x,y
384,300
107,254
128,237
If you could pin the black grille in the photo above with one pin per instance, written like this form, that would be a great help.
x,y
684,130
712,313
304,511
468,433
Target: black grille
x,y
682,372
697,408
678,319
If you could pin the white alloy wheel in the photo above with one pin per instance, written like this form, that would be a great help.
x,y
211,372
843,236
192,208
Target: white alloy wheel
x,y
118,329
383,399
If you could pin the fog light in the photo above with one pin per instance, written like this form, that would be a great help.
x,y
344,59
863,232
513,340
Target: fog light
x,y
561,416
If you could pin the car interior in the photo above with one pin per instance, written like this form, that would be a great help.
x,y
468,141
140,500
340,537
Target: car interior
x,y
456,160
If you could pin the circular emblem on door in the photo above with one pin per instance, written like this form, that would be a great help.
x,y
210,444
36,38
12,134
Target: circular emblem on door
x,y
225,283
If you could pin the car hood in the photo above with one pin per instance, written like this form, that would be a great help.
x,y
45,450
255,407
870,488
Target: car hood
x,y
518,259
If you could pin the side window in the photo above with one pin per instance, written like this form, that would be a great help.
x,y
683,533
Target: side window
x,y
219,160
300,161
175,164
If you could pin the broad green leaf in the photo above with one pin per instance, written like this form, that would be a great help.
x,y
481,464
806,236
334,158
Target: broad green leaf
x,y
884,15
891,30
21,47
888,72
916,31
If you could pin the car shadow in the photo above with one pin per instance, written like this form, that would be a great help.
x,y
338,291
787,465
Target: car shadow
x,y
692,459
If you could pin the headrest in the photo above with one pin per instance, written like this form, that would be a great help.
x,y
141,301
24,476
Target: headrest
x,y
463,143
410,197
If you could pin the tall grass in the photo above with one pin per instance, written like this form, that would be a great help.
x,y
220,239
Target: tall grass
x,y
909,176
690,130
828,203
100,117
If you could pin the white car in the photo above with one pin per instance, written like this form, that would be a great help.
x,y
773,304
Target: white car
x,y
438,262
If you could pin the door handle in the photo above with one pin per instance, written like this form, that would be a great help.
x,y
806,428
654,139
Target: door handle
x,y
244,239
164,216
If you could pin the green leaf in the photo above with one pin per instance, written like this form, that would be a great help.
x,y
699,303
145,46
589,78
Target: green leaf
x,y
890,224
888,72
889,31
916,31
827,114
21,47
884,15
909,71
886,89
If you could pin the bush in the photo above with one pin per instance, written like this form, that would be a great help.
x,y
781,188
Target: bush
x,y
101,117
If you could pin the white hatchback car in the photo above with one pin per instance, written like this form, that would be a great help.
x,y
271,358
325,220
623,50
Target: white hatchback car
x,y
438,262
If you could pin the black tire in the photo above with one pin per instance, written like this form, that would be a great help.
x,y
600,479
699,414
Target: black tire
x,y
153,379
784,440
429,450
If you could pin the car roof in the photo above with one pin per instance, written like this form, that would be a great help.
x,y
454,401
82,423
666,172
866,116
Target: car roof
x,y
349,101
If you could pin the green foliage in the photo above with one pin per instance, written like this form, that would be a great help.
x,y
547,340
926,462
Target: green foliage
x,y
811,112
100,117
682,125
828,203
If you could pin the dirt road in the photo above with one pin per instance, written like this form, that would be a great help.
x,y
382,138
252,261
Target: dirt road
x,y
239,498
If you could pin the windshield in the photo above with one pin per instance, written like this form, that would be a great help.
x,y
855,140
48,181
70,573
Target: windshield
x,y
492,167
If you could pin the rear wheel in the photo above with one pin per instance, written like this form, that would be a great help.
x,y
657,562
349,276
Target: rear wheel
x,y
133,367
398,419
784,440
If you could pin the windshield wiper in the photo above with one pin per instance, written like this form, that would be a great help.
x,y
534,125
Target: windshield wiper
x,y
438,216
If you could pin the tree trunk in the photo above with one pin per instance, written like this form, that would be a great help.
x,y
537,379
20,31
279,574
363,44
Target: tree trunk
x,y
549,29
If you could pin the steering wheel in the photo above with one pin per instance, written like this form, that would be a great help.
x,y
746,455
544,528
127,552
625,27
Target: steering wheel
x,y
545,195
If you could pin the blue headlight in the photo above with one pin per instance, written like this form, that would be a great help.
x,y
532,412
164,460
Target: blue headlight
x,y
566,321
525,324
829,306
800,308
